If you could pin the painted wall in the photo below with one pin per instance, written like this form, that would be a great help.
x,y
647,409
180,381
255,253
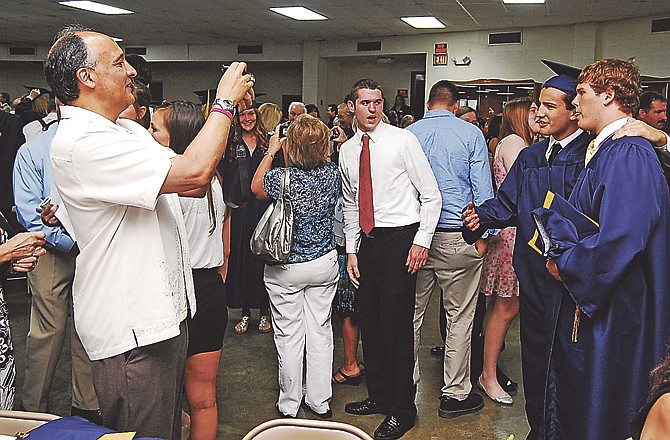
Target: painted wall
x,y
328,68
273,79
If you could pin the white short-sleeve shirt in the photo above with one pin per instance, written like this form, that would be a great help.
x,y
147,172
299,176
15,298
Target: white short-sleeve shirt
x,y
133,273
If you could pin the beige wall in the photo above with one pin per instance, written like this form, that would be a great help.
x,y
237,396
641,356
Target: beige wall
x,y
324,71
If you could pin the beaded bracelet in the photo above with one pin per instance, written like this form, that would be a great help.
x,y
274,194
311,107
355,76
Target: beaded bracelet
x,y
220,110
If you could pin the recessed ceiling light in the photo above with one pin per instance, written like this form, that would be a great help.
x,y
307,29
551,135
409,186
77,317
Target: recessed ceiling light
x,y
95,7
523,2
298,13
117,39
423,22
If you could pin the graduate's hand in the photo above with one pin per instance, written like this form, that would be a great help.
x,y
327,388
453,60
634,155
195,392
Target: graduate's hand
x,y
553,269
470,217
635,127
416,259
481,246
352,270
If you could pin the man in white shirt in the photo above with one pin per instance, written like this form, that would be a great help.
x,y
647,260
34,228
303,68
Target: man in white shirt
x,y
133,281
391,207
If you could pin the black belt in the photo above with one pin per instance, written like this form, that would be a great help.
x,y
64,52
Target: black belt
x,y
381,232
448,229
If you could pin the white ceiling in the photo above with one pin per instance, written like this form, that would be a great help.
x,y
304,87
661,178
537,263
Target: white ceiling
x,y
251,21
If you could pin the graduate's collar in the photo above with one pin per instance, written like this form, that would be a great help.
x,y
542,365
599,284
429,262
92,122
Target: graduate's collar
x,y
608,131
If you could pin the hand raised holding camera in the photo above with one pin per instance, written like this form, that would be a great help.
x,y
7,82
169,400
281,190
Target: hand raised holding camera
x,y
236,86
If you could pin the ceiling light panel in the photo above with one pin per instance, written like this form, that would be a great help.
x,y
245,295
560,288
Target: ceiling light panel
x,y
523,2
423,22
299,13
95,7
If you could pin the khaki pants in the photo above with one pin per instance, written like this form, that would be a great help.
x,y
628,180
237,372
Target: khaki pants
x,y
51,287
455,267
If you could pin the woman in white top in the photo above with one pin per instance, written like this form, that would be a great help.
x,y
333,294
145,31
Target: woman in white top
x,y
175,125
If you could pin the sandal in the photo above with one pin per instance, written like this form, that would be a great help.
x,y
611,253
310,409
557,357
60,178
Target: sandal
x,y
346,379
242,326
264,325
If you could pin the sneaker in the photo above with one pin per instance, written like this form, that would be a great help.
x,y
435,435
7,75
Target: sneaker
x,y
242,326
450,407
264,325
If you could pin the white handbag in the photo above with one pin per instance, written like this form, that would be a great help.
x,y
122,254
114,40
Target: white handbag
x,y
273,235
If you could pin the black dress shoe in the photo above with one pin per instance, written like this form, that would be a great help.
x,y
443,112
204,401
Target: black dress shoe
x,y
392,428
450,407
92,415
437,351
327,415
507,384
363,408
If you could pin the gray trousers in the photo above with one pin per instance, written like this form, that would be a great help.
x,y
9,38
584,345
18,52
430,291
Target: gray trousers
x,y
456,268
51,287
140,390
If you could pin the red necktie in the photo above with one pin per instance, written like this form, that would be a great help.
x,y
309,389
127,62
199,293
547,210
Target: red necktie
x,y
366,209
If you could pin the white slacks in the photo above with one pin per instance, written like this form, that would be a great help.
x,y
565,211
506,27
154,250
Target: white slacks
x,y
301,295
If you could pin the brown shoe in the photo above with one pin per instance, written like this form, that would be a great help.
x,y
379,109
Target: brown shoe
x,y
242,326
264,325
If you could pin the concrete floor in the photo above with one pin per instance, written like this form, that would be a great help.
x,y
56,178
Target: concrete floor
x,y
247,383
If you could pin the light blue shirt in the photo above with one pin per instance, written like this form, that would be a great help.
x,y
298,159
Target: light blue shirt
x,y
457,153
33,182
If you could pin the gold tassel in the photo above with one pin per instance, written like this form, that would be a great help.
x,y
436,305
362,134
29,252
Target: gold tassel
x,y
575,325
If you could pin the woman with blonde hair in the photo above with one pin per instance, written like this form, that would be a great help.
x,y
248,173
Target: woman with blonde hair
x,y
498,277
271,115
302,289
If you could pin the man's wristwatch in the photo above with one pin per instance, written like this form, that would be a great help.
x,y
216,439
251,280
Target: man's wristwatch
x,y
225,104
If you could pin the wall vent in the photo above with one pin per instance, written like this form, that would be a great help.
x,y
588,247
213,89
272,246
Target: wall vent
x,y
136,50
504,38
369,46
22,50
660,25
249,50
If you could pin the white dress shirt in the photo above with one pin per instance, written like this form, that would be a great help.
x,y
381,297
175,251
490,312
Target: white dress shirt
x,y
403,185
133,273
564,142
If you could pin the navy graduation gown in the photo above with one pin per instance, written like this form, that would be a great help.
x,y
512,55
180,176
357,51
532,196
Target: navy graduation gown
x,y
523,190
618,279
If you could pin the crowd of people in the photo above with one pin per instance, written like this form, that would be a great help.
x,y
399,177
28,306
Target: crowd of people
x,y
157,207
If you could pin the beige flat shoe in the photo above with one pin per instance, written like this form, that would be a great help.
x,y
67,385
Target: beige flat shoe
x,y
504,399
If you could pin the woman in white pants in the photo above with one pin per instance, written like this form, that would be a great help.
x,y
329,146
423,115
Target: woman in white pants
x,y
302,289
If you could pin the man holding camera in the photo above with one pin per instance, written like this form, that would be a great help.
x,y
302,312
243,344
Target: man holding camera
x,y
119,187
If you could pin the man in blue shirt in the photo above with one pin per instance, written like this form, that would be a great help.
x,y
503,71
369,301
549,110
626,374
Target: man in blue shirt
x,y
51,287
458,156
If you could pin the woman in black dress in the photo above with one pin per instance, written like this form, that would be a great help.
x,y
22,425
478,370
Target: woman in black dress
x,y
244,276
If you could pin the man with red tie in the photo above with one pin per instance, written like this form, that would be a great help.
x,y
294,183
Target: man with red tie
x,y
391,207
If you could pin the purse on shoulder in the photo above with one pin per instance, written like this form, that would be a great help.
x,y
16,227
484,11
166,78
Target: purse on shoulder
x,y
273,235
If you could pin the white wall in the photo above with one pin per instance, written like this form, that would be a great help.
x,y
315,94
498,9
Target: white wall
x,y
330,67
273,79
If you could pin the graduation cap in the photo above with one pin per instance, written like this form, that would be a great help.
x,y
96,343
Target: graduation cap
x,y
42,90
565,79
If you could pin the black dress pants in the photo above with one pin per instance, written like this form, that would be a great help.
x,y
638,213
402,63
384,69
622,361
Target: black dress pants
x,y
386,303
